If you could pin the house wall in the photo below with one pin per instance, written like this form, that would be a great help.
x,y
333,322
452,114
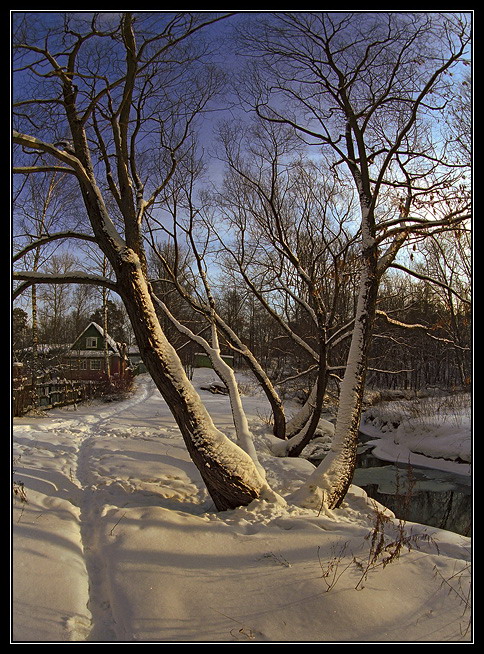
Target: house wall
x,y
81,342
92,367
86,360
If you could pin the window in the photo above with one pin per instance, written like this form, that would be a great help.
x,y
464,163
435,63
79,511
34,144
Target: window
x,y
96,364
74,365
83,364
91,342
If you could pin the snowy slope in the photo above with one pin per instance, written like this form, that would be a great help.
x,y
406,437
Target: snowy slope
x,y
119,542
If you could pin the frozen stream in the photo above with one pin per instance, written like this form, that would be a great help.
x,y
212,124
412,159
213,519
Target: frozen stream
x,y
417,494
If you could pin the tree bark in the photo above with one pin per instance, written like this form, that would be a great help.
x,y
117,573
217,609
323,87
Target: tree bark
x,y
229,473
329,483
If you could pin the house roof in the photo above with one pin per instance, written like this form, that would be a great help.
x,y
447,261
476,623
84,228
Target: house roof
x,y
111,342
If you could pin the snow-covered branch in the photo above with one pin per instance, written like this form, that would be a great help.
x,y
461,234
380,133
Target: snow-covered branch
x,y
36,144
73,277
425,328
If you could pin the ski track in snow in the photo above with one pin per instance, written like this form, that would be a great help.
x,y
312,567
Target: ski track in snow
x,y
94,498
92,508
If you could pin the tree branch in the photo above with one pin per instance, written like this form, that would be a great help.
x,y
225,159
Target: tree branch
x,y
73,277
425,328
426,278
26,170
36,144
48,238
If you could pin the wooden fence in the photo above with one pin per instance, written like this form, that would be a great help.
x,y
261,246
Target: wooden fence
x,y
50,394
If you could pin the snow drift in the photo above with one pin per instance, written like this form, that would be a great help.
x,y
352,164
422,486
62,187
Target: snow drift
x,y
118,541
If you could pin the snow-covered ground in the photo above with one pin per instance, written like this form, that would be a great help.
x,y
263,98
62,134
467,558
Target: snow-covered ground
x,y
432,431
118,541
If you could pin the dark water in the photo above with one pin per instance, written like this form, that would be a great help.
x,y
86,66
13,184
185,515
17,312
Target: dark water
x,y
424,495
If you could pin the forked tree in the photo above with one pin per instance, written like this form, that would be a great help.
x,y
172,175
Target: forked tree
x,y
369,91
113,100
125,93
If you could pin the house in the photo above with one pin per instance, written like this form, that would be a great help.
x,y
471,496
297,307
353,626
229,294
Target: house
x,y
86,358
135,360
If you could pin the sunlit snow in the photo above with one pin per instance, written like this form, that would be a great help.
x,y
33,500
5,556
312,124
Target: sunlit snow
x,y
118,539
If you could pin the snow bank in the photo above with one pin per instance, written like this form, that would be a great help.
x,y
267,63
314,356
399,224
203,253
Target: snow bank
x,y
119,542
434,432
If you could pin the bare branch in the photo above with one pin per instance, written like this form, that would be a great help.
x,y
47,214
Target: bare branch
x,y
72,277
425,328
26,170
432,280
48,238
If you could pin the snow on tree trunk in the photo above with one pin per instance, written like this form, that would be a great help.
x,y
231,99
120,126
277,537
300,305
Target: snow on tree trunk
x,y
277,406
229,473
227,375
300,441
329,482
303,432
242,429
297,422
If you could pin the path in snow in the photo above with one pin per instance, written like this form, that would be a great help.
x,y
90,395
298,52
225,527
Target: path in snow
x,y
119,543
109,435
92,508
60,460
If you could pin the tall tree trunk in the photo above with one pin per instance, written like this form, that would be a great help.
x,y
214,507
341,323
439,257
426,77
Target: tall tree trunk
x,y
229,473
107,366
329,482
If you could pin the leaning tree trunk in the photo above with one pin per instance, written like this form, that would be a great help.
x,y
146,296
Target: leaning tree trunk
x,y
329,483
229,473
227,375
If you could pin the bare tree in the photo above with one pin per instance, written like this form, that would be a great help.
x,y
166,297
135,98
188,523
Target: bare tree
x,y
368,89
421,338
126,92
291,240
44,204
447,265
113,101
189,227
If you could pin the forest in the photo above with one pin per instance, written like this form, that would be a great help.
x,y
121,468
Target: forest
x,y
290,188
